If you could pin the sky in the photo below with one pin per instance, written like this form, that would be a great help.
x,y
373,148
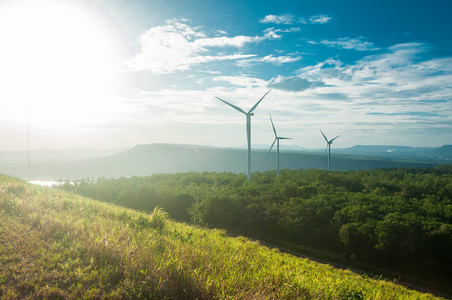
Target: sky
x,y
118,73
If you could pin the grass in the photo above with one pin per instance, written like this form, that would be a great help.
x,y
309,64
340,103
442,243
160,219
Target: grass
x,y
55,245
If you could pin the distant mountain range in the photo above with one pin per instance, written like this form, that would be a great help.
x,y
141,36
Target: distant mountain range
x,y
59,155
143,160
444,152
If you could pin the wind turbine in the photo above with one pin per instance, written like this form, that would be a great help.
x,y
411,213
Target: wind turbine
x,y
277,138
248,115
328,147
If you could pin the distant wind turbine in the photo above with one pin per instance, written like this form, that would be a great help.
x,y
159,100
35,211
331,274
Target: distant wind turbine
x,y
277,138
328,147
248,115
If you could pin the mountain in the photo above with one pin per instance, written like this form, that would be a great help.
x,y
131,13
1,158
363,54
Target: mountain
x,y
281,147
58,155
143,160
430,154
150,159
382,149
444,151
47,163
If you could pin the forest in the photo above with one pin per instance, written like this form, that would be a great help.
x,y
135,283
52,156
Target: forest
x,y
397,219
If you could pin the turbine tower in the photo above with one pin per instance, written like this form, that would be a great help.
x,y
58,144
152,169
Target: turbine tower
x,y
328,147
248,115
277,138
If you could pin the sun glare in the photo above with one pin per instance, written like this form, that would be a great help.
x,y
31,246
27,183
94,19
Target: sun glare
x,y
58,60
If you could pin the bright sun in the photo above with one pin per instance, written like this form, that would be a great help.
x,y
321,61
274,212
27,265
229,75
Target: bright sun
x,y
58,60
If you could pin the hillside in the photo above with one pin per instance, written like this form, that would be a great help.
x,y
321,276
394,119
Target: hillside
x,y
444,151
47,163
143,160
393,221
427,154
56,245
59,155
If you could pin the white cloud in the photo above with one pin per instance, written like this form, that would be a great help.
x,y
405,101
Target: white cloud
x,y
361,101
384,87
295,83
277,60
319,19
177,46
281,19
394,66
243,81
324,70
272,33
237,41
288,19
274,60
368,99
348,43
292,29
221,32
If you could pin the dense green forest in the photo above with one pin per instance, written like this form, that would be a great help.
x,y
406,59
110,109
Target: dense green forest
x,y
397,219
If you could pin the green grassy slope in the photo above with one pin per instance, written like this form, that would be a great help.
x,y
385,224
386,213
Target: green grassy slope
x,y
55,245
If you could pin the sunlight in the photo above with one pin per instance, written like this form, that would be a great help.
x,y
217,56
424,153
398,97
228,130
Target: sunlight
x,y
58,61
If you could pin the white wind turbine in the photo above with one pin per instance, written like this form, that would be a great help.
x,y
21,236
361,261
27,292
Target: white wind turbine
x,y
248,115
277,138
328,147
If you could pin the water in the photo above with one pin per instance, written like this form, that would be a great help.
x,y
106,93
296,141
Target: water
x,y
46,183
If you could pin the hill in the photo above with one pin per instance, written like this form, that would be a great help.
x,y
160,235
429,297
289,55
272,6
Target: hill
x,y
445,151
428,154
388,221
56,245
47,163
143,160
56,155
385,150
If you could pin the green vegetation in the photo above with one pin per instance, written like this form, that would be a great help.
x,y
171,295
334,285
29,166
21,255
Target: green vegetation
x,y
396,219
55,245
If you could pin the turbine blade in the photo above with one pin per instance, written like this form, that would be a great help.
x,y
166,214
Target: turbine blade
x,y
326,148
270,149
255,105
232,105
334,139
284,138
324,135
274,130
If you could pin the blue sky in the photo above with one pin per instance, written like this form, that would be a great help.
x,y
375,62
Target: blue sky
x,y
105,74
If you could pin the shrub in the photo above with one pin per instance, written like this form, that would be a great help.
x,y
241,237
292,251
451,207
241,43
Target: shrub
x,y
157,219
